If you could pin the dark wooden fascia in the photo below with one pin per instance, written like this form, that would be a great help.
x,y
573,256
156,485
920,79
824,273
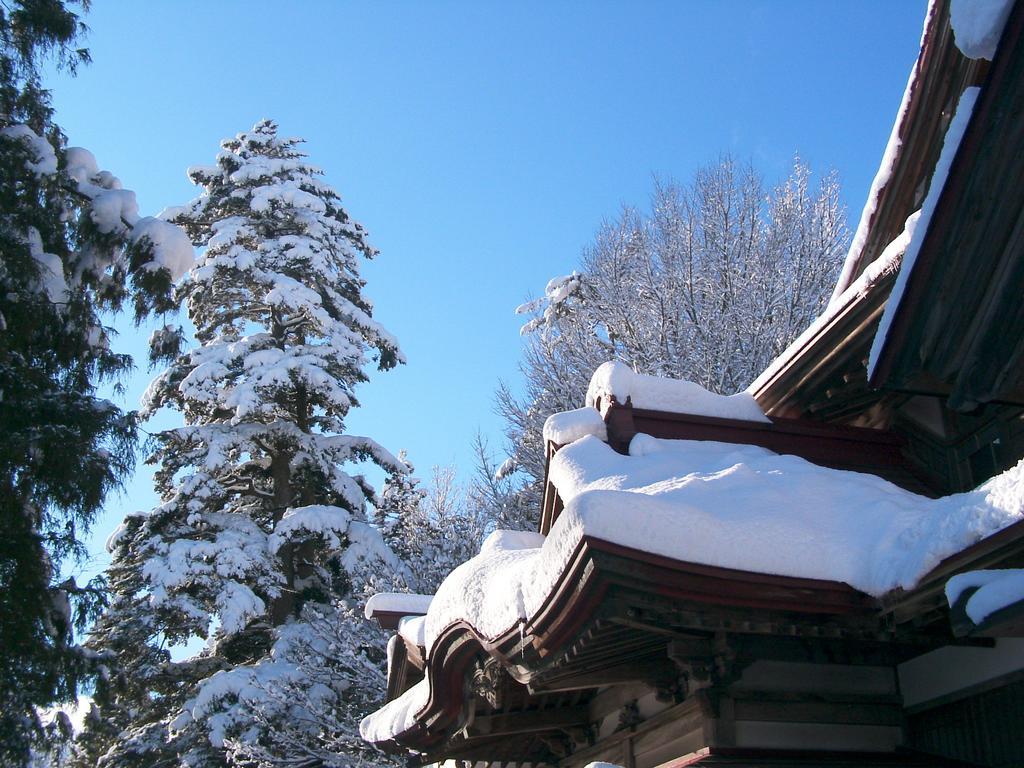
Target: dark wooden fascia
x,y
595,567
892,367
908,608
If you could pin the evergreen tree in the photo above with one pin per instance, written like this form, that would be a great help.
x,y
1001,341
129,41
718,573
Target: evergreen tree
x,y
432,531
72,246
261,543
399,512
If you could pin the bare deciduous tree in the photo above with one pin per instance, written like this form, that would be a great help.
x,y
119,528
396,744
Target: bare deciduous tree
x,y
710,286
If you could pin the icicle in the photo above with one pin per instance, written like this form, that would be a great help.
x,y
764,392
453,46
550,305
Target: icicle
x,y
521,609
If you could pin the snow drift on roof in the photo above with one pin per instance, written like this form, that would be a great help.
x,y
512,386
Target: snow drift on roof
x,y
745,507
978,26
413,629
719,504
568,426
508,540
726,505
397,716
996,590
397,602
672,395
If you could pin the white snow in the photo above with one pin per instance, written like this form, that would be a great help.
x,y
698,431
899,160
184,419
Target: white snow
x,y
731,506
223,698
236,604
569,426
397,715
44,160
954,134
508,467
720,504
301,523
398,602
502,540
413,629
114,539
556,292
81,164
996,589
745,507
171,248
978,25
882,177
113,210
286,193
51,269
672,395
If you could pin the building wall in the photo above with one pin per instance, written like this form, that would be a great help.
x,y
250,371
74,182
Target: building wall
x,y
986,728
933,678
967,703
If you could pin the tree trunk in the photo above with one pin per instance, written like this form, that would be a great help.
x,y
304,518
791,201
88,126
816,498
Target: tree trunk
x,y
284,605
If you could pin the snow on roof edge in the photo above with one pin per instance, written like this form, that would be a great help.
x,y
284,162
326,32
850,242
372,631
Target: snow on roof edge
x,y
888,261
978,26
406,603
950,144
884,174
397,716
670,395
568,426
995,590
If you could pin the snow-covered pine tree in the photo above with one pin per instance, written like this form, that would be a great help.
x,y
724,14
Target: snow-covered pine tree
x,y
261,543
399,512
72,247
452,531
432,531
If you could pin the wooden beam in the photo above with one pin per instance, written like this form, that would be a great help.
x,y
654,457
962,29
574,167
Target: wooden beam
x,y
850,709
627,672
535,721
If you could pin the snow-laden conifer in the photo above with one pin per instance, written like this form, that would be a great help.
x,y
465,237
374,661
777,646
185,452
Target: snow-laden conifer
x,y
432,531
73,249
398,513
261,543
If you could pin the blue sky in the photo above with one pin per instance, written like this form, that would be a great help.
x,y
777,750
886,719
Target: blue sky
x,y
481,144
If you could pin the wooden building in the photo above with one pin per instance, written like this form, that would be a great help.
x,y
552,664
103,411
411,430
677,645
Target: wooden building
x,y
643,660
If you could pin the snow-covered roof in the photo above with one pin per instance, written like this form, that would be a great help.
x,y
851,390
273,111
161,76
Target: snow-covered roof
x,y
567,426
718,504
671,395
978,25
748,508
882,177
996,590
413,629
404,603
397,716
